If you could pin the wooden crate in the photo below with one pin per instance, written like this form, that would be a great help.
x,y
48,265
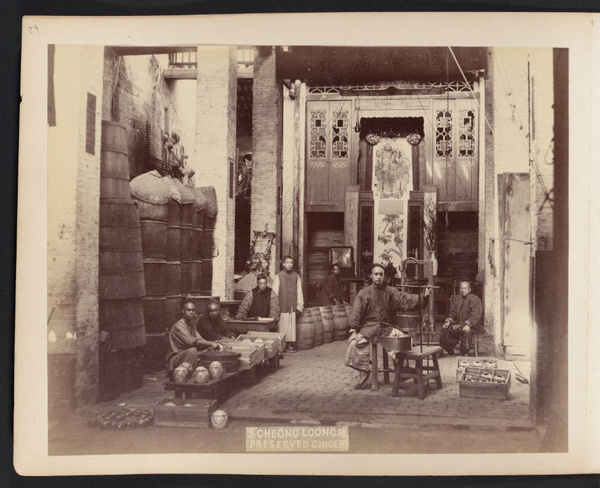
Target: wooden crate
x,y
250,354
271,348
186,412
477,362
476,389
280,336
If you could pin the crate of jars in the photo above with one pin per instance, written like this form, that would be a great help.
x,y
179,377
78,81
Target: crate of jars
x,y
180,412
487,383
463,362
272,345
250,353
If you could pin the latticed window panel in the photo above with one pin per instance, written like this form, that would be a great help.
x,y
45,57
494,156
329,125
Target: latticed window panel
x,y
466,133
443,133
339,135
318,141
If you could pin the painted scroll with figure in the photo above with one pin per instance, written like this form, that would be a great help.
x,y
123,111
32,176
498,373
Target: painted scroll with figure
x,y
392,182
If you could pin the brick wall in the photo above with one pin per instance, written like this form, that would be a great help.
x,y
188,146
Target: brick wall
x,y
73,191
216,106
267,147
137,94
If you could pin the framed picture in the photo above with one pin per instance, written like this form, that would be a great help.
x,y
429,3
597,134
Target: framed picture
x,y
343,256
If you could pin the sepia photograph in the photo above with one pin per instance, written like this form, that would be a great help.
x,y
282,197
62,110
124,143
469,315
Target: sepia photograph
x,y
306,248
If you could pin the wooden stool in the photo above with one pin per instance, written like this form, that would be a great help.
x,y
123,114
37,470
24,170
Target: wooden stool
x,y
375,366
419,373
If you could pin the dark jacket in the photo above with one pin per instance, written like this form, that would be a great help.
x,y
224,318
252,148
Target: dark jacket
x,y
212,331
331,290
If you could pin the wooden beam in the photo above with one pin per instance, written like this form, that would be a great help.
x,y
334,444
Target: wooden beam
x,y
180,74
145,50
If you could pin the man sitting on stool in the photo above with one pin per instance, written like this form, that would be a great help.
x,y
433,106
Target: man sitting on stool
x,y
211,324
184,340
465,316
261,301
374,304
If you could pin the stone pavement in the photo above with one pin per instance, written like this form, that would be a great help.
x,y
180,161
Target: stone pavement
x,y
314,387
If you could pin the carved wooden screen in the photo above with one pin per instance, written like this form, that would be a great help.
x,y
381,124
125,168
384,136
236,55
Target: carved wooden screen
x,y
328,169
455,152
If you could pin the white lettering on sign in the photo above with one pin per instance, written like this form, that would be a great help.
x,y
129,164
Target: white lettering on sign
x,y
328,438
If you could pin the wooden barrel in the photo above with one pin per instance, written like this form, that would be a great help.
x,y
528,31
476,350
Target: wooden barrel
x,y
172,309
155,314
155,276
186,211
206,242
198,232
408,322
151,211
340,322
186,243
120,314
349,312
206,278
114,163
187,272
305,330
173,278
173,242
154,239
327,319
196,276
121,273
318,321
173,212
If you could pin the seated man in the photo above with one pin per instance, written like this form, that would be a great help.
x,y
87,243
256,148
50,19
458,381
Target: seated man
x,y
259,302
465,316
373,304
184,340
331,289
211,324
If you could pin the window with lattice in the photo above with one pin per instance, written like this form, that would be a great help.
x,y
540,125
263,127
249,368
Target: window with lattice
x,y
318,142
339,139
466,133
443,133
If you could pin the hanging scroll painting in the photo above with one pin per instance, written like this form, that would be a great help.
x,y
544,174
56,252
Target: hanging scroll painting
x,y
392,183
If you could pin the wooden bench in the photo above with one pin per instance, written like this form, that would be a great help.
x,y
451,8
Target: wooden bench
x,y
420,373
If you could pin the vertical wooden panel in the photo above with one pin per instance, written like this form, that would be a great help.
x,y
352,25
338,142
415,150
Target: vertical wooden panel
x,y
90,124
340,169
317,169
516,287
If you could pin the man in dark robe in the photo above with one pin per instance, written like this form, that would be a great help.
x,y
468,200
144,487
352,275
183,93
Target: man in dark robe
x,y
331,289
373,305
261,301
211,324
465,316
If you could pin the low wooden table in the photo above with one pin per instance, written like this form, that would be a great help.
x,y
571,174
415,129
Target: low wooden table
x,y
242,326
420,373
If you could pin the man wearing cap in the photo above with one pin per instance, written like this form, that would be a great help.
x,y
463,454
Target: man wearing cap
x,y
261,301
374,309
184,340
211,324
465,316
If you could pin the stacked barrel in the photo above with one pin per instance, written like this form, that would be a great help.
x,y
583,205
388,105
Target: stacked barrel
x,y
121,284
153,194
207,238
173,283
186,210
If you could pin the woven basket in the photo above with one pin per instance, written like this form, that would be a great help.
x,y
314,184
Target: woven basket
x,y
187,194
210,194
150,188
200,203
